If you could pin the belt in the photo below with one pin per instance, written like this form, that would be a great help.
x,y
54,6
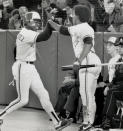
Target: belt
x,y
29,62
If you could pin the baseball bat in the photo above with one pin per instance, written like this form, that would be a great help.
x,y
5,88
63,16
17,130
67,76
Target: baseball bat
x,y
70,67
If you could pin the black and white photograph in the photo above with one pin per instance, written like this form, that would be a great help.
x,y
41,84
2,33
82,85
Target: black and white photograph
x,y
61,65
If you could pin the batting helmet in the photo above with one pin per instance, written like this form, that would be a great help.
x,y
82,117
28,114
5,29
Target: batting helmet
x,y
31,16
32,19
119,41
83,12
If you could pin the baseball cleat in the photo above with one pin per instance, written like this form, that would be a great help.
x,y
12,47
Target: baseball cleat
x,y
63,124
85,127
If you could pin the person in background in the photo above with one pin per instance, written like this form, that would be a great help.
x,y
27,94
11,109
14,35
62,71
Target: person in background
x,y
22,11
99,98
14,21
114,8
101,17
112,50
5,15
115,91
114,53
68,96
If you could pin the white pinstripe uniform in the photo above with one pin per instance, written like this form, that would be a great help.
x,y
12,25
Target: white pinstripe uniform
x,y
88,77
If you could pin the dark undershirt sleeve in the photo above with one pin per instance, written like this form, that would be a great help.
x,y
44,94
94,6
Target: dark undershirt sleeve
x,y
64,30
45,35
87,40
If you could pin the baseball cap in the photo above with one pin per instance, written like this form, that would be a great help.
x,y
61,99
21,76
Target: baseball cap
x,y
111,40
119,41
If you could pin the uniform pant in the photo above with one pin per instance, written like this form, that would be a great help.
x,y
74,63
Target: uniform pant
x,y
88,83
27,78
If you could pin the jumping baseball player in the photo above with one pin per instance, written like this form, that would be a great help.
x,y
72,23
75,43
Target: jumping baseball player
x,y
82,36
25,73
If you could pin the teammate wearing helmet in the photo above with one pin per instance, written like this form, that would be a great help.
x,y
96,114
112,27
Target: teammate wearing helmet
x,y
82,35
25,73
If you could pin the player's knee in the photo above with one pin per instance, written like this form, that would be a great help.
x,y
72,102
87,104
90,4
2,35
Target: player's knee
x,y
24,102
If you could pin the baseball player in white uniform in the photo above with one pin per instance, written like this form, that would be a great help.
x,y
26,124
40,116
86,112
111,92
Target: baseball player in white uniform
x,y
82,36
25,73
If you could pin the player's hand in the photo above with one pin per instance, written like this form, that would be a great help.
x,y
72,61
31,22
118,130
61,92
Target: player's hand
x,y
51,23
54,25
106,91
76,67
54,11
102,84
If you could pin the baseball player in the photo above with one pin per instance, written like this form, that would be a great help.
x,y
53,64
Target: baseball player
x,y
82,36
25,73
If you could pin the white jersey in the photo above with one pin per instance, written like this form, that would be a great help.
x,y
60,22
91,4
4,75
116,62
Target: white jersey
x,y
78,33
26,45
111,68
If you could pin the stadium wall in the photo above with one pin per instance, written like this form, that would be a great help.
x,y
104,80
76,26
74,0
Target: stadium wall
x,y
51,55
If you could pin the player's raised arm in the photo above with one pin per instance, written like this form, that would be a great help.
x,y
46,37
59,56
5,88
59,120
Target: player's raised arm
x,y
33,22
45,35
60,28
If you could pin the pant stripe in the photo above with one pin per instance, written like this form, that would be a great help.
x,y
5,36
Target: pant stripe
x,y
55,116
19,77
3,113
86,73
